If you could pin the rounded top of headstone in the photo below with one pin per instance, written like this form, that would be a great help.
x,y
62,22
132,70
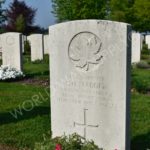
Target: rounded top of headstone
x,y
90,21
37,34
11,33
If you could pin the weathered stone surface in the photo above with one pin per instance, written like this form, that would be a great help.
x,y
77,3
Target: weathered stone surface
x,y
90,85
12,49
37,47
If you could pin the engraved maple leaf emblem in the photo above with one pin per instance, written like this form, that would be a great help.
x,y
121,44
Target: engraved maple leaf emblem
x,y
85,50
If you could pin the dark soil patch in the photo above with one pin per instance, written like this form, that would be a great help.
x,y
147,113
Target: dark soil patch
x,y
38,82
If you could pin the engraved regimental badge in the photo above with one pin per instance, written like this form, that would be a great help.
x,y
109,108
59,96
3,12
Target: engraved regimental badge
x,y
85,51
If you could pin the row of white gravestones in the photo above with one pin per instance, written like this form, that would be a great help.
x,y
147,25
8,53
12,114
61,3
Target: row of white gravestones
x,y
11,44
136,47
12,47
39,46
90,81
147,39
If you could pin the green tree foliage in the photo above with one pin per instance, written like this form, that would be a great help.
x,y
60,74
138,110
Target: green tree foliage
x,y
2,17
135,12
141,12
20,24
118,10
20,17
79,9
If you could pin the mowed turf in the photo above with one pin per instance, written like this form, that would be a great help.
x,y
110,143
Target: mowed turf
x,y
31,102
25,108
140,122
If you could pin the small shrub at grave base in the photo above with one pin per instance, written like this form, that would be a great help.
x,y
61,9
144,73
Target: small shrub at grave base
x,y
8,73
140,86
143,65
72,142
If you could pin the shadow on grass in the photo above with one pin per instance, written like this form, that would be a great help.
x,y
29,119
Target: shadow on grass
x,y
141,142
6,118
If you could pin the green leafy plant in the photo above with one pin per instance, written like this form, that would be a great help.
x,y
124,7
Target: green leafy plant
x,y
71,142
140,86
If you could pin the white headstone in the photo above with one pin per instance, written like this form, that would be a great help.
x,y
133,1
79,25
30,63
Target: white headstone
x,y
136,47
148,40
12,49
46,44
89,74
37,48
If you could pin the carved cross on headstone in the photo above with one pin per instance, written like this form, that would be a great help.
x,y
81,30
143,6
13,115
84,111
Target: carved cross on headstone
x,y
85,124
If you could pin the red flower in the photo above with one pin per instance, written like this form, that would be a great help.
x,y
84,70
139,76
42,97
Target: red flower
x,y
58,147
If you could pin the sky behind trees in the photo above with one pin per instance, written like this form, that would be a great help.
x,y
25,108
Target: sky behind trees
x,y
44,17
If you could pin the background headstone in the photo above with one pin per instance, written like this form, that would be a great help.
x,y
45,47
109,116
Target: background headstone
x,y
37,47
46,44
90,88
12,49
148,40
136,47
24,39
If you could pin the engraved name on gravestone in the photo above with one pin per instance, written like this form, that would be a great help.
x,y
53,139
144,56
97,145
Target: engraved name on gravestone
x,y
37,47
89,74
12,49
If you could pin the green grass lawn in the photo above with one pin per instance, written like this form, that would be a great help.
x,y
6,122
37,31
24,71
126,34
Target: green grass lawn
x,y
30,126
25,109
140,122
37,69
